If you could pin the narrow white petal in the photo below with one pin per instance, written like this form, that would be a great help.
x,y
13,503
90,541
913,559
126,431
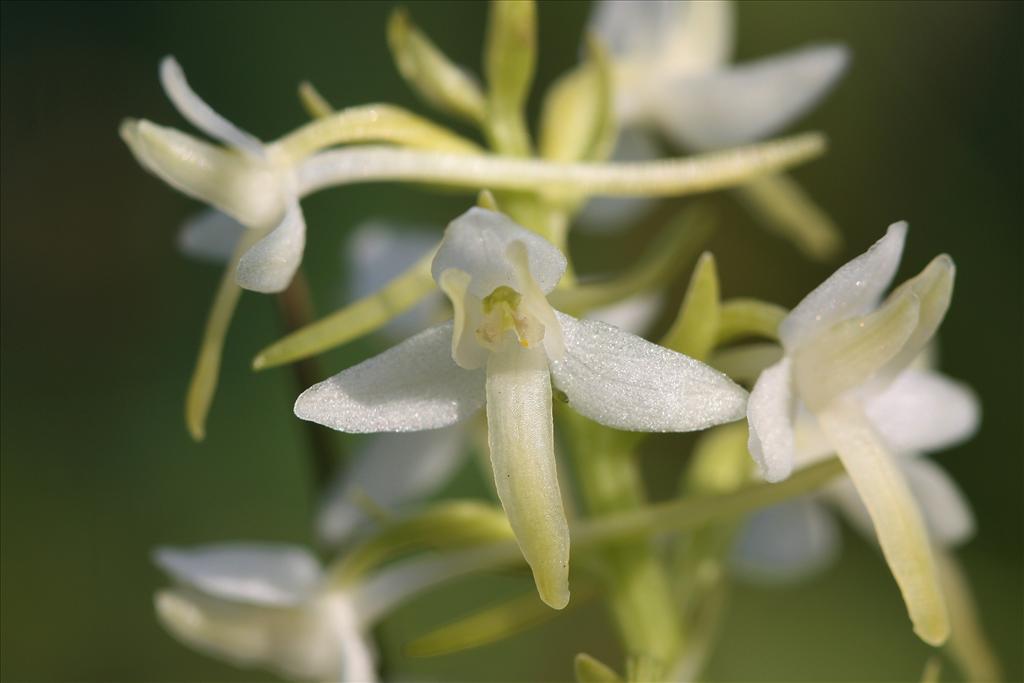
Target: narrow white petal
x,y
635,315
922,411
270,264
616,214
279,575
200,114
520,436
851,291
467,313
898,523
786,542
241,188
623,381
412,386
702,41
748,102
770,413
210,236
295,642
477,242
636,30
392,470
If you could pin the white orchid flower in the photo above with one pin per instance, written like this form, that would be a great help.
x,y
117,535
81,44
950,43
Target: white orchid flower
x,y
504,348
921,411
842,347
672,73
265,606
253,183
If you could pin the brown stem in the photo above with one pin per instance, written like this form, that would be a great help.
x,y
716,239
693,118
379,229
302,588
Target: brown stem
x,y
296,308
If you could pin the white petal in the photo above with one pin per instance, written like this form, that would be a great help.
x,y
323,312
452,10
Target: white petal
x,y
358,654
477,242
616,214
294,642
623,381
748,102
851,291
690,36
270,264
393,469
895,515
634,315
519,431
210,236
786,542
241,188
770,413
200,114
279,575
412,386
922,411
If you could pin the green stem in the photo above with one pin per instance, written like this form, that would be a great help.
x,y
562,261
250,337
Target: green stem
x,y
639,592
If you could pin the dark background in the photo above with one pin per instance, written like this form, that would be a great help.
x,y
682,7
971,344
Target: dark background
x,y
101,318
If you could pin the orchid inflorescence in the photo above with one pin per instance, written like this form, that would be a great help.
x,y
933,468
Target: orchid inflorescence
x,y
499,340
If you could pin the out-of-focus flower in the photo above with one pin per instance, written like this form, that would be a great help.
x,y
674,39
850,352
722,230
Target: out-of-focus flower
x,y
920,411
843,347
265,606
504,347
252,182
672,75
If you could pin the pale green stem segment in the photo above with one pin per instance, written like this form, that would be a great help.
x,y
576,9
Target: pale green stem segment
x,y
372,123
521,441
968,645
639,591
203,384
353,320
316,105
559,182
431,74
489,625
578,119
932,672
786,209
591,670
719,464
675,516
695,329
510,58
677,244
741,318
451,524
894,513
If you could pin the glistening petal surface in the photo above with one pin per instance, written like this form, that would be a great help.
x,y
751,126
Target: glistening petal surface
x,y
278,575
270,264
852,290
748,102
625,382
477,242
770,413
412,386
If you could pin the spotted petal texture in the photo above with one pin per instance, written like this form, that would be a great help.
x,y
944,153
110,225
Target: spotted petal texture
x,y
625,382
412,386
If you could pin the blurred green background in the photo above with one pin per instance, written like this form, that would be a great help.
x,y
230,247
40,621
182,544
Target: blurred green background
x,y
101,318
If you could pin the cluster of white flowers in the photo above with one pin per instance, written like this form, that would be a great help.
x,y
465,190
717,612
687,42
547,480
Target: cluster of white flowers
x,y
852,376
